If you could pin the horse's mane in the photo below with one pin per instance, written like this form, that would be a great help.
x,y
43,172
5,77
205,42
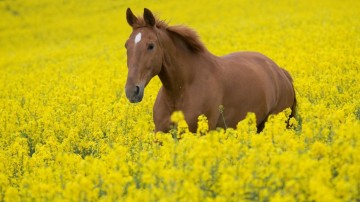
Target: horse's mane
x,y
189,36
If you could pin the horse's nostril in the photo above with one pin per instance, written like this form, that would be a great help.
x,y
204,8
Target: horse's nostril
x,y
137,90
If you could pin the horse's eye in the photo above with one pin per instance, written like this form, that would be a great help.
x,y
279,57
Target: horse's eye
x,y
150,46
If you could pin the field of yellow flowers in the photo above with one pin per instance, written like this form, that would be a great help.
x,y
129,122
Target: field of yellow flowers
x,y
68,133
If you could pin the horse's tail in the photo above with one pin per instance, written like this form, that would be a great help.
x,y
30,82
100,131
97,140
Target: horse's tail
x,y
293,107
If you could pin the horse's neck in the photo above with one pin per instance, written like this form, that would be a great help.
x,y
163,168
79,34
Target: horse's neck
x,y
180,65
175,72
179,70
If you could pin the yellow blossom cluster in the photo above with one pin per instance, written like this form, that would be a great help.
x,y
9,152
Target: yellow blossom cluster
x,y
68,133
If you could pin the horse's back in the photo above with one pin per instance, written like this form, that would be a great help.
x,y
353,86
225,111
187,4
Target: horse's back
x,y
256,84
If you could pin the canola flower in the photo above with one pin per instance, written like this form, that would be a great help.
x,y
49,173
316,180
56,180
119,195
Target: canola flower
x,y
67,132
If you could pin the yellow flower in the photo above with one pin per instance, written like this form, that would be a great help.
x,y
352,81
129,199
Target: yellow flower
x,y
203,125
181,125
12,195
318,150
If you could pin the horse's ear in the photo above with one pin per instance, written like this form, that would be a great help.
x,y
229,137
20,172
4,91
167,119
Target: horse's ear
x,y
149,17
130,17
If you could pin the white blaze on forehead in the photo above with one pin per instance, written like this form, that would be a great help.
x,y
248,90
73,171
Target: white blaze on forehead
x,y
137,38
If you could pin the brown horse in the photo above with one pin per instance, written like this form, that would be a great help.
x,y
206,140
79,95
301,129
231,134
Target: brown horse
x,y
197,82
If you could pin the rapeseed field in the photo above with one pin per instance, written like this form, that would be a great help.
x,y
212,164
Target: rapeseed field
x,y
68,133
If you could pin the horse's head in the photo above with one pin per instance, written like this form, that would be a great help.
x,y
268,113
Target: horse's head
x,y
144,54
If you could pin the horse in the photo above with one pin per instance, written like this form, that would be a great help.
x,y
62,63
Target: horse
x,y
197,82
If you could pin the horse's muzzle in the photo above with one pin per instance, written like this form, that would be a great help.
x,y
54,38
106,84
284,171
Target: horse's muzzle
x,y
134,94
